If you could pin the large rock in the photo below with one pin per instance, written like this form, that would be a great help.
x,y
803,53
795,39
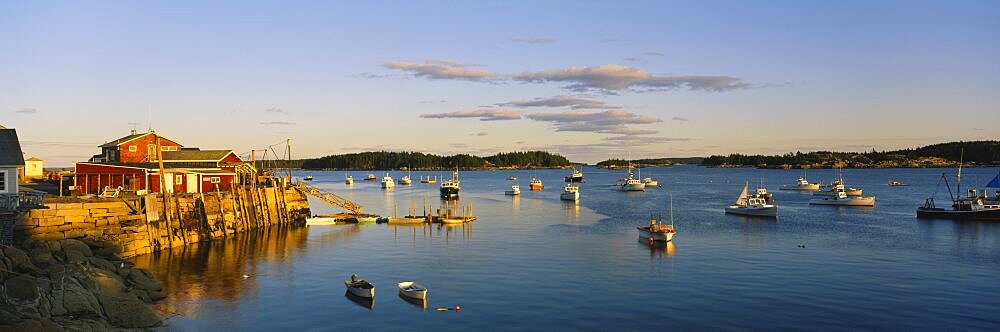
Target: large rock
x,y
144,280
34,325
41,256
18,261
21,290
126,310
75,250
76,299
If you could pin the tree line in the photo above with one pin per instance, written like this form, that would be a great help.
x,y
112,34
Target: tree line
x,y
418,160
975,152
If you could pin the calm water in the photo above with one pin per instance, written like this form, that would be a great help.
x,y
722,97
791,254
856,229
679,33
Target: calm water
x,y
537,263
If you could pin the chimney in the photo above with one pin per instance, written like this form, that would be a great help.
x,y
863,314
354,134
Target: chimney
x,y
133,131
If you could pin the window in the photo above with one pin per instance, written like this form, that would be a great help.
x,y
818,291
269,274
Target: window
x,y
133,148
3,181
178,179
216,179
168,148
164,148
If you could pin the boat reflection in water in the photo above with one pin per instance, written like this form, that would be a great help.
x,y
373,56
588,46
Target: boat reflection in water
x,y
367,303
658,248
422,303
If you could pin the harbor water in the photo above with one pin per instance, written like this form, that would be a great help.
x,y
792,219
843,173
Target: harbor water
x,y
534,262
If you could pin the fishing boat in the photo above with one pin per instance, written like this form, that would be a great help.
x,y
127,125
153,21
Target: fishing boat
x,y
571,192
368,219
841,199
802,184
897,184
576,176
307,178
971,207
322,221
838,186
630,182
512,178
412,290
371,177
450,188
387,182
360,287
752,206
650,183
515,190
536,184
349,180
406,180
762,193
657,230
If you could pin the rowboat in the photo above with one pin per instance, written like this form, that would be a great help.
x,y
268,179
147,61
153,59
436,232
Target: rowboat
x,y
412,290
360,287
319,221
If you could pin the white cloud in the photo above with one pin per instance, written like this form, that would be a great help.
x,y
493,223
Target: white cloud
x,y
614,77
559,101
482,114
27,110
275,110
532,40
679,119
441,69
607,122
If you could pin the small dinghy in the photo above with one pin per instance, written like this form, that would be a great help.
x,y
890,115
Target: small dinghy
x,y
360,287
412,290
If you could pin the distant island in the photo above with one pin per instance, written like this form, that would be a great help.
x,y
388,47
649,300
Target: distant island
x,y
976,153
424,161
617,163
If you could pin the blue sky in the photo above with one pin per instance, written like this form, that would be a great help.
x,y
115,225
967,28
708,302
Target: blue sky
x,y
588,79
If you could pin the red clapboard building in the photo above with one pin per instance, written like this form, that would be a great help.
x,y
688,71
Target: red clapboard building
x,y
132,163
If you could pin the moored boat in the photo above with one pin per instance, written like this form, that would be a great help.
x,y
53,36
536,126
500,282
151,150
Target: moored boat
x,y
897,184
307,178
321,221
570,192
576,176
388,182
650,183
841,199
630,182
971,207
349,180
536,184
360,287
412,290
449,188
515,190
657,230
752,205
405,180
801,184
838,186
371,177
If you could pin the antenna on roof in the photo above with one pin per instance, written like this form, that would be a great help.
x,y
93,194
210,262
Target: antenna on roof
x,y
134,125
149,117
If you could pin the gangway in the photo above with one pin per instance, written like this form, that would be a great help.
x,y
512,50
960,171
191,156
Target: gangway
x,y
329,197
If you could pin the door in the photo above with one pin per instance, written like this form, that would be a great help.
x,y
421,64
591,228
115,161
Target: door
x,y
192,183
168,178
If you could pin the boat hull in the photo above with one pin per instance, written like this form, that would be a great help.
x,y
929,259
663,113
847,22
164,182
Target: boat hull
x,y
771,211
573,179
938,213
512,192
854,201
412,290
632,187
656,236
813,186
536,186
320,221
449,192
570,196
362,289
850,192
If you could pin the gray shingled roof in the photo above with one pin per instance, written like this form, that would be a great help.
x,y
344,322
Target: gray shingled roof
x,y
195,155
10,148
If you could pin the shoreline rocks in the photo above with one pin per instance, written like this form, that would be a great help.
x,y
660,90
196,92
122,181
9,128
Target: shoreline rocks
x,y
76,285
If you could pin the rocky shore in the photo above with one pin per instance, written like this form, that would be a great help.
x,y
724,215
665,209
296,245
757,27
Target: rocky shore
x,y
74,285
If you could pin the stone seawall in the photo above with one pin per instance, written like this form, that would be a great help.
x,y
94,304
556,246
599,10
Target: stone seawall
x,y
141,225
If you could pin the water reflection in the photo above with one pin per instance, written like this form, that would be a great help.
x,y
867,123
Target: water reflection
x,y
421,303
221,270
361,301
572,209
515,204
657,248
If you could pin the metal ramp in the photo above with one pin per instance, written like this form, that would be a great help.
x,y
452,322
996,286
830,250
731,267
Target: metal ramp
x,y
328,197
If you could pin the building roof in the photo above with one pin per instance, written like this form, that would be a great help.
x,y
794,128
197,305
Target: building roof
x,y
195,155
119,141
33,159
10,148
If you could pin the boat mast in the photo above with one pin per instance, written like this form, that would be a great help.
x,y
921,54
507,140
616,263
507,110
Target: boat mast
x,y
671,199
958,186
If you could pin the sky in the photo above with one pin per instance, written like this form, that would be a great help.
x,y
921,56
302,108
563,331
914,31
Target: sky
x,y
591,80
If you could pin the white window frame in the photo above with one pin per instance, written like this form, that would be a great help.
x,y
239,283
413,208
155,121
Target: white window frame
x,y
133,148
215,179
3,185
178,179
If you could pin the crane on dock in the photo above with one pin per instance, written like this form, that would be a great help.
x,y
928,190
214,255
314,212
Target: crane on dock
x,y
329,197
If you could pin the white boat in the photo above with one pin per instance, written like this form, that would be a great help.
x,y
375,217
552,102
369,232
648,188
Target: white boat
x,y
371,177
450,188
512,178
321,221
752,206
349,180
514,190
412,290
360,287
630,182
405,180
657,230
388,182
576,176
801,184
307,178
897,184
650,182
843,200
838,186
570,192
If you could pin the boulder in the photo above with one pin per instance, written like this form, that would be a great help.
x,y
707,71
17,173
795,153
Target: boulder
x,y
75,299
41,256
127,311
39,325
143,279
21,290
83,324
75,250
18,261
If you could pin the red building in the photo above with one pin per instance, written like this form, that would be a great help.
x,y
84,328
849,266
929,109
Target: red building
x,y
131,163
